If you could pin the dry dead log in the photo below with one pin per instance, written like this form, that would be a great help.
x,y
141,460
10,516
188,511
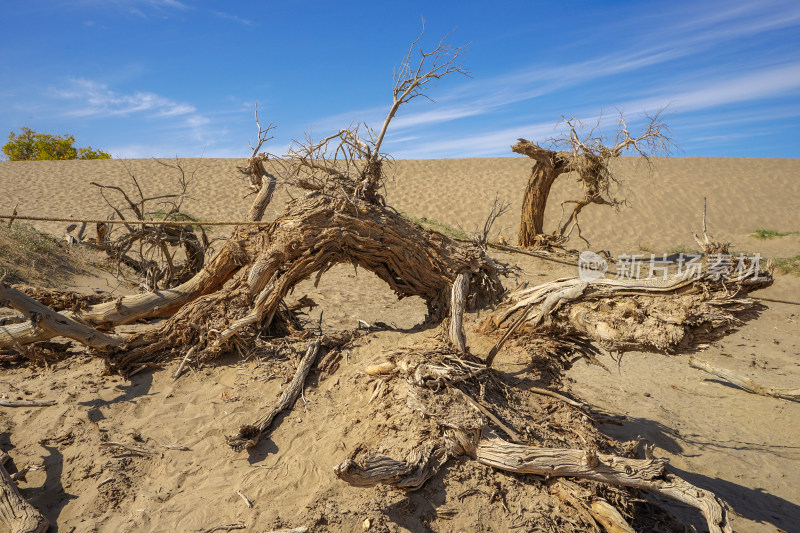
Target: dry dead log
x,y
608,516
421,464
250,434
26,403
744,383
628,314
16,513
56,324
646,474
424,461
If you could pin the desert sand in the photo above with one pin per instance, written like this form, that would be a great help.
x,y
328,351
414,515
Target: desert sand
x,y
744,447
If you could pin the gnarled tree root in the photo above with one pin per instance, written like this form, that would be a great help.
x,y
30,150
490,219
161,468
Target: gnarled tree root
x,y
424,461
627,314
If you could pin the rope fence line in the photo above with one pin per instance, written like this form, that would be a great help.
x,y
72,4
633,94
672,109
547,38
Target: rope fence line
x,y
129,221
12,218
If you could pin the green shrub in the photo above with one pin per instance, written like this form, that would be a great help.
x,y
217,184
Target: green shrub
x,y
771,233
32,146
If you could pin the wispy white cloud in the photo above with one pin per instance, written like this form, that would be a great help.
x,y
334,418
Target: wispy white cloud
x,y
234,18
755,85
683,37
93,99
705,95
158,4
491,143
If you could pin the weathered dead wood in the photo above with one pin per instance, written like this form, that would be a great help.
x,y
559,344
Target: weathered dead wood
x,y
421,464
26,403
458,301
56,324
15,512
316,232
608,517
263,198
549,302
250,434
119,447
744,383
646,474
425,460
234,254
625,314
225,527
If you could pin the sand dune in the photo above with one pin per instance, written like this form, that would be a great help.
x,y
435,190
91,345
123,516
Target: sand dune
x,y
664,203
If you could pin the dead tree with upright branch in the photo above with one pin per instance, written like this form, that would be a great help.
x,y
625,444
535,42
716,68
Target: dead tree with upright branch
x,y
589,156
341,218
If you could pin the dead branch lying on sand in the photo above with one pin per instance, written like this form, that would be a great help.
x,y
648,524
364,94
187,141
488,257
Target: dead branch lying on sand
x,y
744,383
629,314
27,403
250,434
423,463
44,318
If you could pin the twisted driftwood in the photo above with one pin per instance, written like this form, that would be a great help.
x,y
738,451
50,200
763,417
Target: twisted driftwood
x,y
424,461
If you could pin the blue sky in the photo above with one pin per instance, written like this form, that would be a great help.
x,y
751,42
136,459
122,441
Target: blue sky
x,y
160,78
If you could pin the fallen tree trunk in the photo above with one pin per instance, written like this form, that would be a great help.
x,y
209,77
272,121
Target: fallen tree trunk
x,y
646,474
314,234
627,314
56,324
426,459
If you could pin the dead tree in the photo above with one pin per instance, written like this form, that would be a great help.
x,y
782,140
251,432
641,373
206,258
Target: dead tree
x,y
257,174
589,157
151,249
342,218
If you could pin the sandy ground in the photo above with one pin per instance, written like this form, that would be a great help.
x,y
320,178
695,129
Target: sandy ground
x,y
744,447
